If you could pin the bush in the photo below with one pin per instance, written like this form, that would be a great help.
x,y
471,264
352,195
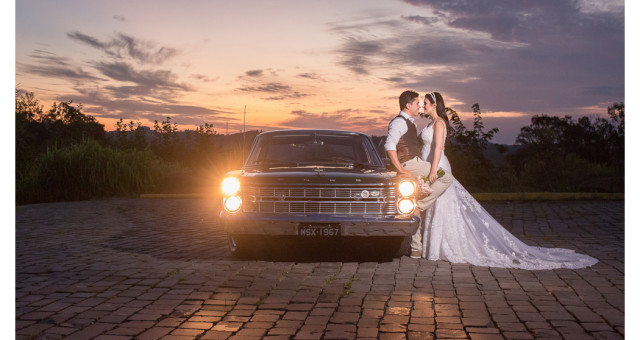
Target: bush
x,y
568,173
89,170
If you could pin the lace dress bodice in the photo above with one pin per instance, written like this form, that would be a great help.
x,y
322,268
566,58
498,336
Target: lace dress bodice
x,y
429,146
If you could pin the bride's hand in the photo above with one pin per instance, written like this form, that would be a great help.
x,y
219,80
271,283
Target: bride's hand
x,y
433,175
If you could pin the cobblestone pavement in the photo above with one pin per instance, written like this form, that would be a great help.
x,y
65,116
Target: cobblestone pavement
x,y
159,268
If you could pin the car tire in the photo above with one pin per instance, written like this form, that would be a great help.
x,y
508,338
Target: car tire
x,y
392,246
240,246
404,246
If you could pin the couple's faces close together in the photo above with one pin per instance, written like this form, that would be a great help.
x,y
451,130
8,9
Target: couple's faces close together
x,y
429,108
414,107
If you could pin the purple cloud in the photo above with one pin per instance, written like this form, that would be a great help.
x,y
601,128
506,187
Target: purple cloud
x,y
123,45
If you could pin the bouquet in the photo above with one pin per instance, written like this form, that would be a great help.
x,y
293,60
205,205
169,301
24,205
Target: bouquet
x,y
424,184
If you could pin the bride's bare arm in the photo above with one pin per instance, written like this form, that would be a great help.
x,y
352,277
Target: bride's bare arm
x,y
438,137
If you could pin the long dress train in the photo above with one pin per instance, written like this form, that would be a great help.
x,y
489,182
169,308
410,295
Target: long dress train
x,y
458,229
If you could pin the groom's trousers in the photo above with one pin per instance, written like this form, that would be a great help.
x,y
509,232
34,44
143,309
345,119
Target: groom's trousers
x,y
418,167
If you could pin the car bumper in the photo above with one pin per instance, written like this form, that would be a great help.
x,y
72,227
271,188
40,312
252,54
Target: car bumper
x,y
253,224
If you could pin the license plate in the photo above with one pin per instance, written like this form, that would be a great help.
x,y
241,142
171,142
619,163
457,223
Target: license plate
x,y
319,230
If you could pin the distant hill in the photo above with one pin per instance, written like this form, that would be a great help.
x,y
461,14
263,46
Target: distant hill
x,y
495,156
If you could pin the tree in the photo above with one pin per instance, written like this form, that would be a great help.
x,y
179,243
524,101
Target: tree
x,y
569,155
38,130
476,139
28,131
465,149
600,141
130,135
166,138
205,135
28,106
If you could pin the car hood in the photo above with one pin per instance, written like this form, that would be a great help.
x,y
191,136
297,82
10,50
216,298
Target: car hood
x,y
317,176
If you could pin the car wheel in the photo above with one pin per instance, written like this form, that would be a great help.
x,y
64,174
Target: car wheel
x,y
240,246
392,246
403,247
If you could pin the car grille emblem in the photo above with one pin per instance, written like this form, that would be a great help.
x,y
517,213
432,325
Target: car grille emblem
x,y
364,194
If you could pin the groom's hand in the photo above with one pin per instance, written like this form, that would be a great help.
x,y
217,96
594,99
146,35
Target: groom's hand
x,y
405,173
393,156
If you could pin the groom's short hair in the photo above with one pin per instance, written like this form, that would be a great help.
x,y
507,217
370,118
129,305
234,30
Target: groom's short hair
x,y
407,97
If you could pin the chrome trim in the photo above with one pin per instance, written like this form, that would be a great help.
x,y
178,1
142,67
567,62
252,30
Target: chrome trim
x,y
381,201
263,224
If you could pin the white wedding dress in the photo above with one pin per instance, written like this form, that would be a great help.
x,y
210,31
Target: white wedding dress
x,y
458,229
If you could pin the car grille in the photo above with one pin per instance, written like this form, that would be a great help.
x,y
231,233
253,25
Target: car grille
x,y
374,201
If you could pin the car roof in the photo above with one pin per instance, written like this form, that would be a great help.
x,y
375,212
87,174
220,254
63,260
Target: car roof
x,y
313,131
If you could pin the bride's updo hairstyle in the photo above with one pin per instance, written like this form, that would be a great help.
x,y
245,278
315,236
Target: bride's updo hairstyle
x,y
436,97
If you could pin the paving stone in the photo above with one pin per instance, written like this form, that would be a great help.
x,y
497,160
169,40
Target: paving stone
x,y
112,337
393,328
517,335
282,331
251,332
91,331
218,335
225,326
339,317
421,328
392,336
485,336
155,333
310,332
450,333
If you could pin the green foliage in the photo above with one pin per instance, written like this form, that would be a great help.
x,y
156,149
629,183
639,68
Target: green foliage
x,y
465,148
600,142
63,124
165,139
129,136
561,154
38,130
27,106
561,173
475,140
88,170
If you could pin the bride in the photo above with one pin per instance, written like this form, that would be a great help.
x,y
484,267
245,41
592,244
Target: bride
x,y
458,229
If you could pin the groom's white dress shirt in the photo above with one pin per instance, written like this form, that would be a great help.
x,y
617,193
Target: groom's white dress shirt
x,y
397,128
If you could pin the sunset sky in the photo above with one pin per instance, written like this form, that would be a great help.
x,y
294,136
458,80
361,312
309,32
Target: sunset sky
x,y
321,64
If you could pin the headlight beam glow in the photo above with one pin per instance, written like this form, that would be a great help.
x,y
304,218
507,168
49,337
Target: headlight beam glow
x,y
232,204
406,206
230,186
406,188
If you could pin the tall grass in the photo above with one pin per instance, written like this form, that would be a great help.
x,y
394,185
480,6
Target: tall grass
x,y
89,170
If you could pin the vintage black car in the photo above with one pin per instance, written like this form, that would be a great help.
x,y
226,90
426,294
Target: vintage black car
x,y
317,184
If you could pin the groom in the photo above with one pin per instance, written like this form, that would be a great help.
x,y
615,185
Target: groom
x,y
403,148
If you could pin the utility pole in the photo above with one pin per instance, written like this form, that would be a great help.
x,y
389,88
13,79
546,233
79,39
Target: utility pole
x,y
244,125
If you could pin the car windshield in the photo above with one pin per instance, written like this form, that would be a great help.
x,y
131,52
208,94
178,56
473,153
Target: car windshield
x,y
299,149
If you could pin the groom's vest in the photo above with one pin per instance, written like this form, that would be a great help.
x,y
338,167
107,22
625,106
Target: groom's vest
x,y
408,146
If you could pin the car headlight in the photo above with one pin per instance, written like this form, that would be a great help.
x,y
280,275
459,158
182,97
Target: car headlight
x,y
230,186
406,188
406,206
232,204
